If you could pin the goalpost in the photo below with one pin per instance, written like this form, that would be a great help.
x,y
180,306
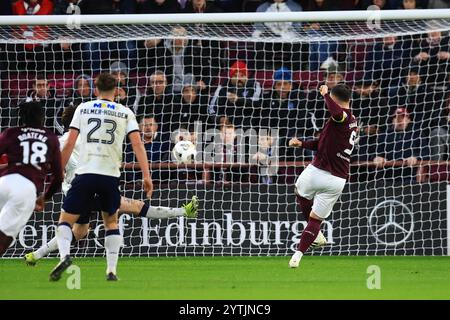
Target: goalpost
x,y
240,86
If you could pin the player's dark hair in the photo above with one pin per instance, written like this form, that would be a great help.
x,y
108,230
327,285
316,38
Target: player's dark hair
x,y
31,114
106,82
342,92
40,76
67,116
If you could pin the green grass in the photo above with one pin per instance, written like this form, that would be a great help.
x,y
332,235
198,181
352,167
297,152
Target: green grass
x,y
234,278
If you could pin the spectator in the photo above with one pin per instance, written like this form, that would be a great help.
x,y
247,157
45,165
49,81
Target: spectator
x,y
228,151
272,55
414,97
158,6
385,62
284,109
158,96
399,143
97,54
156,144
370,107
64,56
62,7
201,6
280,29
183,57
83,89
413,4
126,93
190,107
239,98
432,55
31,55
440,139
372,111
265,156
42,92
382,4
316,108
151,54
438,4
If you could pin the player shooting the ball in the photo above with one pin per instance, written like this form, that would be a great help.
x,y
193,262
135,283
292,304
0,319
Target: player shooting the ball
x,y
320,185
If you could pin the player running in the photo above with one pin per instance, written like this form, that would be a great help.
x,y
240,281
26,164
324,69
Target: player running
x,y
80,229
320,185
33,153
102,126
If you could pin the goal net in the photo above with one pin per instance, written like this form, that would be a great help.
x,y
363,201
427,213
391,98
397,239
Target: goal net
x,y
240,92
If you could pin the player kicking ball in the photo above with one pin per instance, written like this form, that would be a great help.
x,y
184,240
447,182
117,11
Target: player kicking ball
x,y
320,185
102,126
80,229
33,153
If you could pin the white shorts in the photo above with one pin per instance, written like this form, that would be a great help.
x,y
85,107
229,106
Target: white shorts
x,y
17,201
322,186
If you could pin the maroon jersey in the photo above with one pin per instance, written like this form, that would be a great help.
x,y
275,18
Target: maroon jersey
x,y
336,141
33,153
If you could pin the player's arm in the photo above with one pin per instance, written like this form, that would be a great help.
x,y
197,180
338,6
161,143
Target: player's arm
x,y
69,145
141,155
337,114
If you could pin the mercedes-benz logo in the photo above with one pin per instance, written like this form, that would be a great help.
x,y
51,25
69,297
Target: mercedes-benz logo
x,y
391,222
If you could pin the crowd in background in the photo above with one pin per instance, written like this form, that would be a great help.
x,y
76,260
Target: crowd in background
x,y
400,84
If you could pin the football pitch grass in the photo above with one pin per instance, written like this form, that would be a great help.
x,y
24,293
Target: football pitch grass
x,y
235,278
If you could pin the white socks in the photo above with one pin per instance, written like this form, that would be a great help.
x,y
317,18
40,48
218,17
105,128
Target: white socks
x,y
64,238
113,241
46,249
164,212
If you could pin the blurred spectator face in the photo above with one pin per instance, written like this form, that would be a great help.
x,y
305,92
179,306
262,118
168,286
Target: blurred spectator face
x,y
179,42
239,79
228,135
198,4
160,2
379,3
333,79
265,141
435,36
366,90
401,120
120,76
158,82
189,94
83,88
152,43
389,41
319,3
283,88
409,4
33,2
413,79
41,87
148,127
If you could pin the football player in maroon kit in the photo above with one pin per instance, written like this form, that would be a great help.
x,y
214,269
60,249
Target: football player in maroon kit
x,y
320,185
33,154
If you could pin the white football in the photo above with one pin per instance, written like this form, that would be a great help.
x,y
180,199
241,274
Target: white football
x,y
184,152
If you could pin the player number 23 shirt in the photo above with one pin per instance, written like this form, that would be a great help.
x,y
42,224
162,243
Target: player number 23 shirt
x,y
103,126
